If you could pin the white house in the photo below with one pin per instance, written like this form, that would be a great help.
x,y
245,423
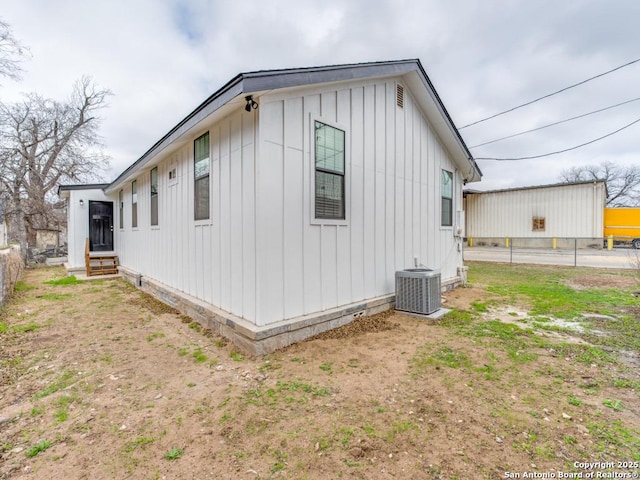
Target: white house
x,y
283,205
534,215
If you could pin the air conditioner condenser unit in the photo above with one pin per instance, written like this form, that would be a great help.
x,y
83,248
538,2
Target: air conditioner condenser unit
x,y
418,290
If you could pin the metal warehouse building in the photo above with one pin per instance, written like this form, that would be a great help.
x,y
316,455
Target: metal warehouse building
x,y
533,215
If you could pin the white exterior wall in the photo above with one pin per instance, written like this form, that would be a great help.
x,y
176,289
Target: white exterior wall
x,y
212,260
393,175
571,211
78,216
261,256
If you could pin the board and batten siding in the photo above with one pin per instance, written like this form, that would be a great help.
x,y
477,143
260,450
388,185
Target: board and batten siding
x,y
261,256
570,211
393,174
212,260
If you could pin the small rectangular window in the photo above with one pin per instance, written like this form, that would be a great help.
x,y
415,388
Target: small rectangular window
x,y
538,224
121,208
154,196
134,204
201,177
329,172
446,213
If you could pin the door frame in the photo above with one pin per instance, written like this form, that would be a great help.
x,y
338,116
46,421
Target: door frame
x,y
109,229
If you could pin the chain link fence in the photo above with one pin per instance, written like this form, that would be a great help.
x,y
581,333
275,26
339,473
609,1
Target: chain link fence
x,y
591,252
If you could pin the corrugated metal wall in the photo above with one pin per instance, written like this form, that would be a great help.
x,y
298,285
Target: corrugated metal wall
x,y
261,256
572,210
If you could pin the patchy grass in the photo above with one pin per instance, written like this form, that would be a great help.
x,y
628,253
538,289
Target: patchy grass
x,y
71,280
21,286
174,454
38,448
489,388
63,381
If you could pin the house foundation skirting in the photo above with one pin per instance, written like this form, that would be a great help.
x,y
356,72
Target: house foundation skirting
x,y
250,338
256,340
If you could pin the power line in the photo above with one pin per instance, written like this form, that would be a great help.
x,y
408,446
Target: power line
x,y
559,151
555,123
551,94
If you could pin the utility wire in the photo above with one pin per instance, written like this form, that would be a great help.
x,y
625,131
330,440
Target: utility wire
x,y
559,151
551,94
555,123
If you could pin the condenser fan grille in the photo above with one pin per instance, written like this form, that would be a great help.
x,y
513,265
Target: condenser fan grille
x,y
418,290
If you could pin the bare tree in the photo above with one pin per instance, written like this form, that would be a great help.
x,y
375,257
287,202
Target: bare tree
x,y
623,182
11,53
43,143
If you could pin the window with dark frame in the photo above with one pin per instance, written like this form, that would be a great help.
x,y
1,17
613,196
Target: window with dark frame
x,y
134,204
329,172
538,224
154,196
446,213
121,208
201,177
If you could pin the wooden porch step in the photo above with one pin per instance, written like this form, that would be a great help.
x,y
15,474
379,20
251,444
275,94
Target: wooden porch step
x,y
100,264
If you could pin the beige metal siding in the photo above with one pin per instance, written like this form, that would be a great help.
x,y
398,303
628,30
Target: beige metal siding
x,y
572,210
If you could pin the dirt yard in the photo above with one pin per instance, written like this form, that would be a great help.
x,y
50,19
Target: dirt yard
x,y
100,381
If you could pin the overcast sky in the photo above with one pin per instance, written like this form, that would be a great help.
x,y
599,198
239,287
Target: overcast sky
x,y
161,58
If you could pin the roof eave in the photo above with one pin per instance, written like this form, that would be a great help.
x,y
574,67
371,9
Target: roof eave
x,y
260,81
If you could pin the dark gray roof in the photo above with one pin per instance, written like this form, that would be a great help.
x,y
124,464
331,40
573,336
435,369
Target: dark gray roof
x,y
264,80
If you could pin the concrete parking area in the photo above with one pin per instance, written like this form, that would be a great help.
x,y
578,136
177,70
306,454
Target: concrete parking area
x,y
617,258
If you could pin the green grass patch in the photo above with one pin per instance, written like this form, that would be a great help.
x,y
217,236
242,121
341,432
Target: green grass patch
x,y
327,367
457,318
442,357
626,383
480,307
61,415
152,336
281,461
615,434
613,404
547,290
198,355
20,328
55,296
63,381
573,400
286,392
37,410
236,356
21,286
38,448
174,453
588,354
138,442
72,280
